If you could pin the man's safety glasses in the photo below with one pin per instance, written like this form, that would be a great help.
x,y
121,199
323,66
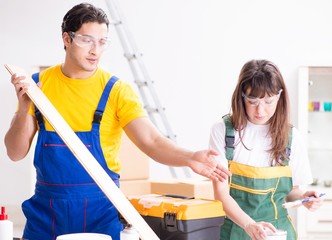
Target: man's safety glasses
x,y
88,41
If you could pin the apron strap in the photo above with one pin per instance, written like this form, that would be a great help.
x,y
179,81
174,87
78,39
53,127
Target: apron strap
x,y
289,145
229,138
98,115
290,138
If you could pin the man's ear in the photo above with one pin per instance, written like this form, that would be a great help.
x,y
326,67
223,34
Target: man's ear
x,y
66,39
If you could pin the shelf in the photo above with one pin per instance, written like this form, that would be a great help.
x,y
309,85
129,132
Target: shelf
x,y
316,127
312,149
319,112
320,70
321,189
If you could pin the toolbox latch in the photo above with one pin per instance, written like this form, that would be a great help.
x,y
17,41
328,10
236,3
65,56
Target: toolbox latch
x,y
170,222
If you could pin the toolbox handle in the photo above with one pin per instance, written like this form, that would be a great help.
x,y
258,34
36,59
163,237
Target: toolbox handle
x,y
178,196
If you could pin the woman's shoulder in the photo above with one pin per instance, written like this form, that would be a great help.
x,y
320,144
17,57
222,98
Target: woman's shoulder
x,y
218,128
297,135
219,123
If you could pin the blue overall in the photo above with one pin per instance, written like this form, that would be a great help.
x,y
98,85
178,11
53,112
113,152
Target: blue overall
x,y
66,198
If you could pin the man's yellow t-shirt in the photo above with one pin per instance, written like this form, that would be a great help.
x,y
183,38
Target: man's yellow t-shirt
x,y
77,99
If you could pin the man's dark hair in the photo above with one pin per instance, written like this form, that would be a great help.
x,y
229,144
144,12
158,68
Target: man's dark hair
x,y
80,14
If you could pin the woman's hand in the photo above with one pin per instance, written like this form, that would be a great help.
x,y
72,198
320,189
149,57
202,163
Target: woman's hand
x,y
258,230
315,202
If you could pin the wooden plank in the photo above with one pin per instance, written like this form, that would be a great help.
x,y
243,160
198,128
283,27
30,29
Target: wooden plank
x,y
85,157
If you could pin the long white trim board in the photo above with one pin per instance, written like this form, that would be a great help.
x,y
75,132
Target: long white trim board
x,y
85,157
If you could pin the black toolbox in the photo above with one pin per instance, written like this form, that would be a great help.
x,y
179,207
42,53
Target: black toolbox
x,y
180,218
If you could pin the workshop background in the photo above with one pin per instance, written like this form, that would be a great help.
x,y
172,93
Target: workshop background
x,y
193,51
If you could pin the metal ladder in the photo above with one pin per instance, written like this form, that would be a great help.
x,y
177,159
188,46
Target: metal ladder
x,y
142,79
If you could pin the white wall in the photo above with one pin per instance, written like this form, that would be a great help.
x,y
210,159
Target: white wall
x,y
193,50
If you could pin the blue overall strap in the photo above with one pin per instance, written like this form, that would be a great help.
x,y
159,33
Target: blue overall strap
x,y
38,114
229,137
35,77
98,115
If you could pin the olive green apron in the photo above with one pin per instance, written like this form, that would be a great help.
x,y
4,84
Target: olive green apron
x,y
259,191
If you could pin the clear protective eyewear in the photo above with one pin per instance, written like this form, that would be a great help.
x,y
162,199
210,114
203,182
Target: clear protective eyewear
x,y
254,102
88,41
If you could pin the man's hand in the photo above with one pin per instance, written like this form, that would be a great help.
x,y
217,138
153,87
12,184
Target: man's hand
x,y
203,163
21,89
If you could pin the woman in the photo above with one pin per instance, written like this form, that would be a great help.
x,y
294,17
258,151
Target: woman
x,y
265,154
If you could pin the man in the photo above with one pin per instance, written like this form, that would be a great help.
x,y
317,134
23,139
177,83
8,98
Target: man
x,y
98,107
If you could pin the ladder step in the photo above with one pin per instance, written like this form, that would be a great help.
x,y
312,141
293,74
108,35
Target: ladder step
x,y
141,83
151,109
144,83
131,56
115,22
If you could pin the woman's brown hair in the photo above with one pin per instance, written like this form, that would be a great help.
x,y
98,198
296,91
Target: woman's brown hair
x,y
259,78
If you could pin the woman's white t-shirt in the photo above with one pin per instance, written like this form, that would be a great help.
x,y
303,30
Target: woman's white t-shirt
x,y
256,154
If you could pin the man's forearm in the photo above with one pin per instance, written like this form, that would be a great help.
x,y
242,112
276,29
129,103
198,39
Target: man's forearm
x,y
167,152
19,136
